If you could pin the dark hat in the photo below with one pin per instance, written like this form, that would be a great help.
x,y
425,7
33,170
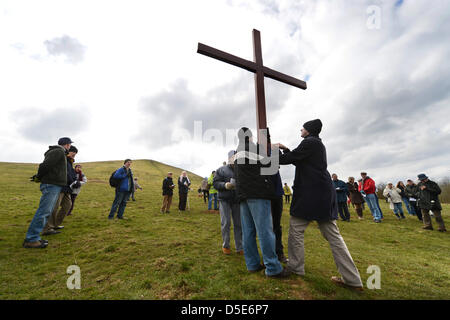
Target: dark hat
x,y
65,140
314,126
73,149
244,132
422,176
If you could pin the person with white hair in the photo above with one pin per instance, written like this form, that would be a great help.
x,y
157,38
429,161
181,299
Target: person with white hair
x,y
183,189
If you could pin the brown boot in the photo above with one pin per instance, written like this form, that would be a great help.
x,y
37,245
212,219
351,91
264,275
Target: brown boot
x,y
35,245
226,251
340,281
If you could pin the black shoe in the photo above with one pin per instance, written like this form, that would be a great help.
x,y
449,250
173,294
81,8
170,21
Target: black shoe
x,y
58,228
261,267
285,273
44,241
50,232
282,258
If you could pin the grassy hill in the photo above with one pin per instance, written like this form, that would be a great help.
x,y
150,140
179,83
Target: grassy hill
x,y
178,256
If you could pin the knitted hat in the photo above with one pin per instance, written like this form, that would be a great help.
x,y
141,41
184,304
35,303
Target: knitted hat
x,y
314,126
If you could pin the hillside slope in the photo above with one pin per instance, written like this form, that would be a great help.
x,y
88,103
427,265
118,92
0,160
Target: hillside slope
x,y
178,255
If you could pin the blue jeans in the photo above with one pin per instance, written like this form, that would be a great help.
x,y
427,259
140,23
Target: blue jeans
x,y
119,201
408,206
50,194
256,218
211,196
398,208
378,205
372,202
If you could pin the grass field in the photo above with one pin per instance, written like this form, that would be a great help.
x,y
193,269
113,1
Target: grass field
x,y
178,256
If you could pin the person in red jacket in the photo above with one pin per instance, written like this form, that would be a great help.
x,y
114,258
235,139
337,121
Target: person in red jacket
x,y
367,188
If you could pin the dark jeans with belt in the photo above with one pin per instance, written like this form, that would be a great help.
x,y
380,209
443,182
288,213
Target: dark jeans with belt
x,y
277,210
343,211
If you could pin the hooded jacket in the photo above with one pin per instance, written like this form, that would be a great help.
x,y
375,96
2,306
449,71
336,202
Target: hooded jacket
x,y
53,170
428,198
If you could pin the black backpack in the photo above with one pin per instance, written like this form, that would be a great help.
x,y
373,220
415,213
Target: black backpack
x,y
114,182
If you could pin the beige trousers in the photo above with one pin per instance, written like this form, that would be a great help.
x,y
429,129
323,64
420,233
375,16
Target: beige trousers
x,y
167,201
330,232
56,218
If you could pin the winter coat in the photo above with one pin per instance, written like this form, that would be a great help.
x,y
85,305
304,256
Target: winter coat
x,y
341,190
428,198
204,186
277,184
53,170
355,196
411,191
250,183
224,175
183,184
127,180
71,176
368,186
212,190
393,195
82,181
314,195
166,187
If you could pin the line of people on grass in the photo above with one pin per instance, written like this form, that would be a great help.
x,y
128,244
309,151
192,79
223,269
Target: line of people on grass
x,y
60,184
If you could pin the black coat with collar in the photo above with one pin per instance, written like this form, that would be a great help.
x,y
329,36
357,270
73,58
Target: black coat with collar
x,y
314,196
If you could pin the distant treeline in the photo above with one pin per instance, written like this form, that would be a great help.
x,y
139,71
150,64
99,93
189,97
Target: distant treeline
x,y
443,183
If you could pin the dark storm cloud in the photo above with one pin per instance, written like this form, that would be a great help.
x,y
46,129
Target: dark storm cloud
x,y
69,47
46,127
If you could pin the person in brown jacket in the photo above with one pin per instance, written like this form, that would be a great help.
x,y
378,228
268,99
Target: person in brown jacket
x,y
355,197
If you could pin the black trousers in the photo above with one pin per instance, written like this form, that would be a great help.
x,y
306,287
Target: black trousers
x,y
288,198
182,202
277,210
416,209
343,211
205,195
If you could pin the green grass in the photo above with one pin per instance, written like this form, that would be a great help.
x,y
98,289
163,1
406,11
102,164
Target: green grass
x,y
178,256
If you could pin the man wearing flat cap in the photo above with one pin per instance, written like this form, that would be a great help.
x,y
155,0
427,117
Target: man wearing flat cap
x,y
52,175
314,198
428,199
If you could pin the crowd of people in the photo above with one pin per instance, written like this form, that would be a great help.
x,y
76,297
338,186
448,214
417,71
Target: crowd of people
x,y
249,200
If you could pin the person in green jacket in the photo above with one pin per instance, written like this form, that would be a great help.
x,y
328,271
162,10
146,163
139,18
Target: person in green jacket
x,y
427,194
212,192
52,174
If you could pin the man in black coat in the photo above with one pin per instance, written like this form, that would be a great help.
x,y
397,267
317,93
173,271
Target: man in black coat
x,y
167,188
314,198
428,199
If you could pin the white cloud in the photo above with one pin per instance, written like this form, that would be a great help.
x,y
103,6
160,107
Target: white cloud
x,y
383,94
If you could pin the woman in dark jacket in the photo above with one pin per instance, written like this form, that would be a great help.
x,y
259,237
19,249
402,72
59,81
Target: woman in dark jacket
x,y
405,198
183,189
355,196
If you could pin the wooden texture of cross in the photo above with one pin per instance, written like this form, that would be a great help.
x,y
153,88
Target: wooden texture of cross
x,y
256,66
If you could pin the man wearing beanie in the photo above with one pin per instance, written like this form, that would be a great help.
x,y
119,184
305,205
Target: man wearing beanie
x,y
228,206
314,198
52,175
64,202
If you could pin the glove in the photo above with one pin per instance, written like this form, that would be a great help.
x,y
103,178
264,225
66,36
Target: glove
x,y
35,179
229,186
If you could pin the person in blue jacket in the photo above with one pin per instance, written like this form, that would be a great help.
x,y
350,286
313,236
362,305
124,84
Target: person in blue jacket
x,y
123,191
341,192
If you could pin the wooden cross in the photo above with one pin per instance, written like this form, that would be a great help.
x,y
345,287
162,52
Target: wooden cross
x,y
256,66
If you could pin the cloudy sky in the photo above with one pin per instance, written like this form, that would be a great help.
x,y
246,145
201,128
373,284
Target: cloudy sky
x,y
123,79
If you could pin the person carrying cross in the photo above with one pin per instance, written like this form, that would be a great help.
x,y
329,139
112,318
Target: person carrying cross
x,y
314,198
